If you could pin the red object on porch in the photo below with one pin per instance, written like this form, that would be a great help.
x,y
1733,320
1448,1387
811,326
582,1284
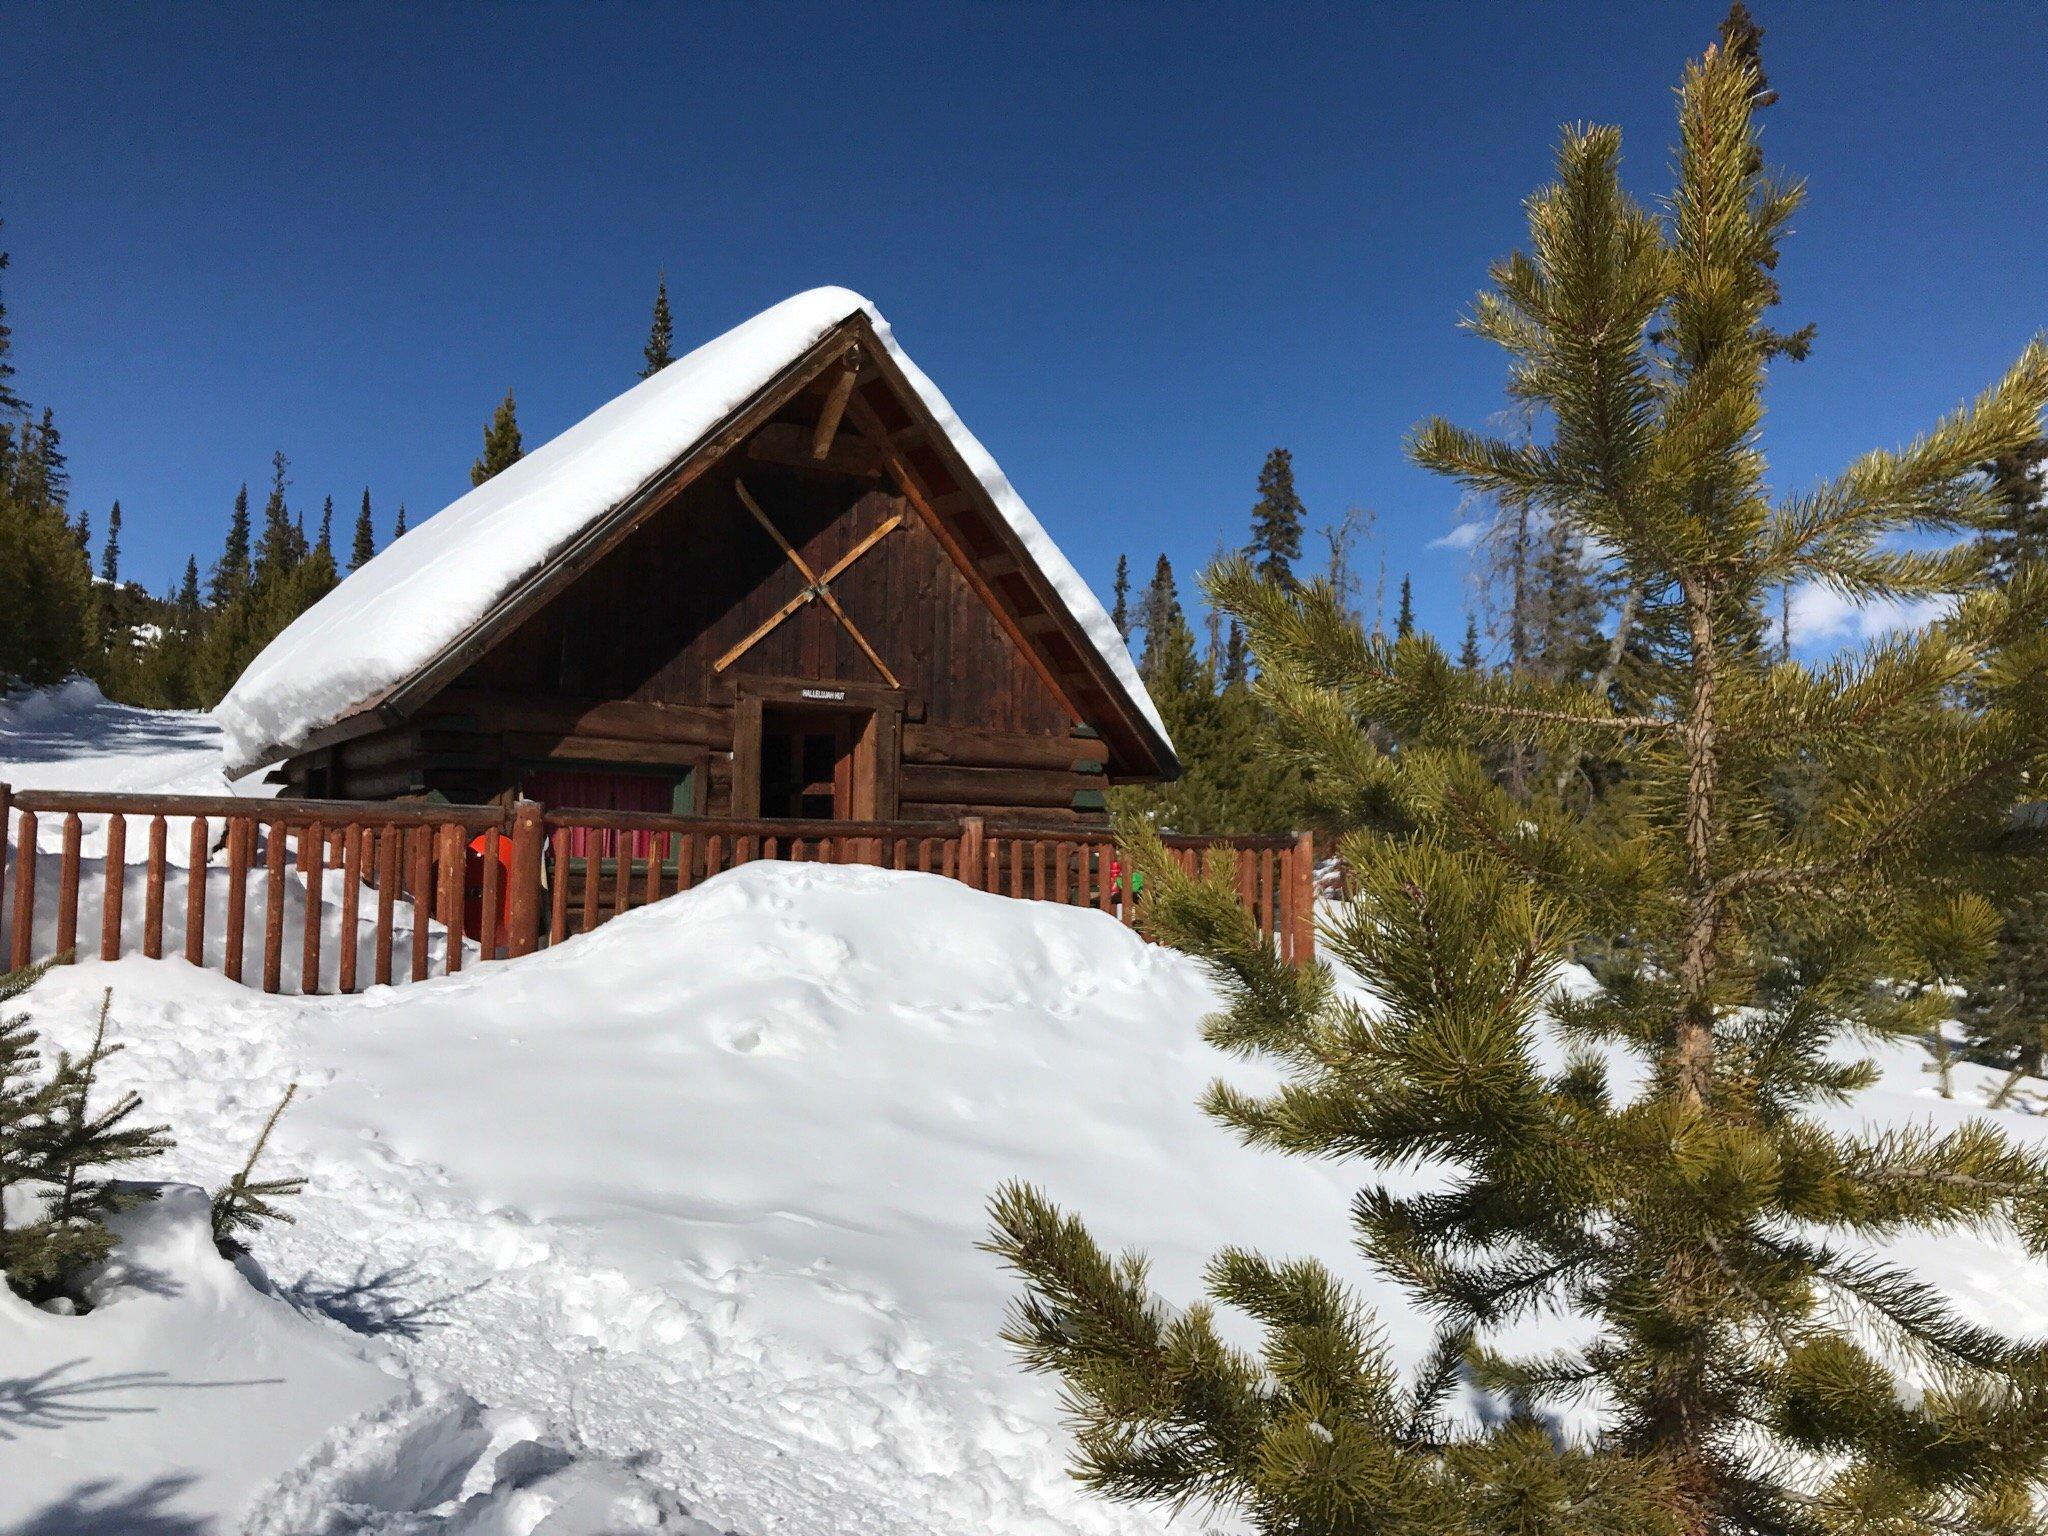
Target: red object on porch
x,y
473,886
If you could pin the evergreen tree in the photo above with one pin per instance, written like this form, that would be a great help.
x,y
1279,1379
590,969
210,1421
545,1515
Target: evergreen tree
x,y
246,1203
2019,533
55,1147
1669,1174
1236,659
10,402
1469,659
655,355
398,528
231,571
364,545
1277,518
1404,621
1566,610
52,475
47,621
2005,1014
85,531
281,545
501,442
47,624
166,671
110,557
1120,608
324,545
1164,623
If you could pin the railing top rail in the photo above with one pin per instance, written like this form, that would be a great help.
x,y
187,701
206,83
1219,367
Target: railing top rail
x,y
810,830
1248,841
339,812
388,813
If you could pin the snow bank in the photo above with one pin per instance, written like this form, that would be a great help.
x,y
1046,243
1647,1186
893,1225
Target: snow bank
x,y
420,593
699,1194
692,1204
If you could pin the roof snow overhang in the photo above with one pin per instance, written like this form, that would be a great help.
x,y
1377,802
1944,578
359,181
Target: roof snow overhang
x,y
952,485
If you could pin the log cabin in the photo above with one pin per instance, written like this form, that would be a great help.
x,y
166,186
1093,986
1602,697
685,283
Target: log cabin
x,y
779,578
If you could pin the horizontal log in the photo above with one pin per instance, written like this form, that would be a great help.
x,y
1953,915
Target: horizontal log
x,y
691,724
727,827
90,802
384,783
397,747
1019,817
959,746
1049,788
601,749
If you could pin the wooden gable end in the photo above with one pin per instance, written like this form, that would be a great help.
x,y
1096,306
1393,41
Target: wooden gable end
x,y
656,620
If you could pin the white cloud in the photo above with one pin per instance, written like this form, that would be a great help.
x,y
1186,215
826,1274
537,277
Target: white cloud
x,y
1464,536
1823,619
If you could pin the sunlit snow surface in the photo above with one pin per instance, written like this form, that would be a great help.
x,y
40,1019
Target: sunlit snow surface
x,y
678,1217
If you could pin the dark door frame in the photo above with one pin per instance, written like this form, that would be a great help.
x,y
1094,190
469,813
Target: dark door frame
x,y
878,749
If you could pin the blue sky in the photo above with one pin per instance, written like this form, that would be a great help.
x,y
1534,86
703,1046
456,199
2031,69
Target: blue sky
x,y
1137,245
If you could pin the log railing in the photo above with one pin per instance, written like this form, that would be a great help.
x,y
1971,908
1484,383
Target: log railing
x,y
331,896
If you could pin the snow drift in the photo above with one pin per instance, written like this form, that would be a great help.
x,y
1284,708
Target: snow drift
x,y
699,1194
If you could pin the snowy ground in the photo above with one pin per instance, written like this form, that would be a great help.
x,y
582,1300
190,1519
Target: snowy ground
x,y
71,737
704,1188
678,1217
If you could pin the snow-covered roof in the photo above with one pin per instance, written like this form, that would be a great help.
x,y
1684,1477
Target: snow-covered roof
x,y
426,591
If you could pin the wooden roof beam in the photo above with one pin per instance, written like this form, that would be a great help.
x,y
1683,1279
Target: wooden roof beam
x,y
835,405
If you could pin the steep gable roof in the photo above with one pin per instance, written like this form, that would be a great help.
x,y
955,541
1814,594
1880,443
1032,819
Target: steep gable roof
x,y
397,628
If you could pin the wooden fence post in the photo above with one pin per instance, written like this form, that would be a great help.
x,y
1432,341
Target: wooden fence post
x,y
973,852
1304,875
522,902
452,871
115,888
6,837
24,893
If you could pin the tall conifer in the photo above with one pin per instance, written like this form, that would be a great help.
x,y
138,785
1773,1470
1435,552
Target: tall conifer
x,y
398,527
231,571
1657,1160
110,556
501,442
1277,518
655,355
364,545
1120,607
10,402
